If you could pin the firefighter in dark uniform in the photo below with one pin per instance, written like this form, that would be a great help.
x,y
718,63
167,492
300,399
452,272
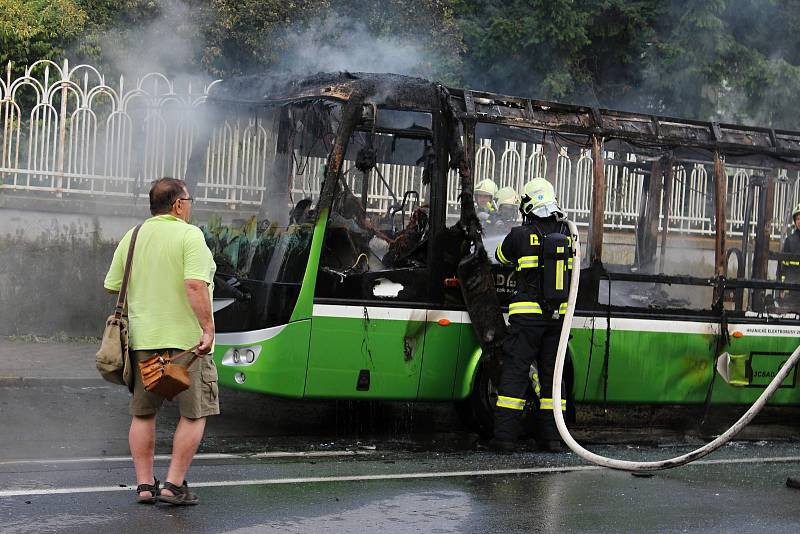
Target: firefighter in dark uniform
x,y
790,269
541,250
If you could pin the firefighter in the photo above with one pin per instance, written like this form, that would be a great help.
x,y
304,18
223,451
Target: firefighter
x,y
507,214
484,199
790,269
541,250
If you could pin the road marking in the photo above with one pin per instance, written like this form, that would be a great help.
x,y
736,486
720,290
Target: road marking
x,y
20,492
202,456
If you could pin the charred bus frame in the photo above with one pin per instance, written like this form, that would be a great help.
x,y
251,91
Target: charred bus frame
x,y
455,114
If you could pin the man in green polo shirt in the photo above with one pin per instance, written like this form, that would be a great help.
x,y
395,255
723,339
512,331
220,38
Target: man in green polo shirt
x,y
169,309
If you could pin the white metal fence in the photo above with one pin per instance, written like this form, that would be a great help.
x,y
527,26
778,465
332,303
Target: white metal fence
x,y
66,131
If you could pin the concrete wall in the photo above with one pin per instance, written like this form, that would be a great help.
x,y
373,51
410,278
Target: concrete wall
x,y
54,254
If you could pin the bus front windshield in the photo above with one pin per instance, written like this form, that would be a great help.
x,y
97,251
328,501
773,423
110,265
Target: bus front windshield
x,y
262,256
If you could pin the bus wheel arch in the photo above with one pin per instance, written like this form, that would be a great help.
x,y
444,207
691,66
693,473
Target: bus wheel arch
x,y
476,410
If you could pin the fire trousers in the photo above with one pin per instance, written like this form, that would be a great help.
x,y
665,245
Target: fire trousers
x,y
530,341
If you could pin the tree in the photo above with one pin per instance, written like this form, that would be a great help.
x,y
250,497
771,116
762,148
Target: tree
x,y
527,47
31,30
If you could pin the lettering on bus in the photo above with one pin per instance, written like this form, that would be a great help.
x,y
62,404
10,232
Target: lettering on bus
x,y
771,330
764,366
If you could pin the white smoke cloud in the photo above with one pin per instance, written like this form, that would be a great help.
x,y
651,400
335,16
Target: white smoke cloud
x,y
336,43
167,44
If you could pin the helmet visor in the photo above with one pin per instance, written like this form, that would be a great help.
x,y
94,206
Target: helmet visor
x,y
547,210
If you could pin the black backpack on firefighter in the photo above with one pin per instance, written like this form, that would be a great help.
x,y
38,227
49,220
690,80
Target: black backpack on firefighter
x,y
555,265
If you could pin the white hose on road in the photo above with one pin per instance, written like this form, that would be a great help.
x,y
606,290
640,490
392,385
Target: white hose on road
x,y
627,465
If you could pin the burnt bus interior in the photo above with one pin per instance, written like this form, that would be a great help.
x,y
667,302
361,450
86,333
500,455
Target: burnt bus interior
x,y
678,218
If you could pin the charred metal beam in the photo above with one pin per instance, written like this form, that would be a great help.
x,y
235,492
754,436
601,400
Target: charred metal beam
x,y
723,283
669,172
720,192
647,230
598,117
351,115
551,156
595,247
474,272
760,284
660,279
763,227
402,92
635,127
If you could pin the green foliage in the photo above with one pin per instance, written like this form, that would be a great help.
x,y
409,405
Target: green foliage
x,y
733,60
31,30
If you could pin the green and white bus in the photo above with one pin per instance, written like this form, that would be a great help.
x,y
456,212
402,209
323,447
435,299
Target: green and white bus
x,y
364,275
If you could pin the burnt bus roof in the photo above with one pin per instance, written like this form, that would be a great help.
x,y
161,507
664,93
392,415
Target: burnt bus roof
x,y
405,92
389,90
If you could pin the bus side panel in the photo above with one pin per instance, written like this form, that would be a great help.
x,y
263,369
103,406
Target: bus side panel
x,y
344,348
280,368
646,366
440,358
765,355
649,367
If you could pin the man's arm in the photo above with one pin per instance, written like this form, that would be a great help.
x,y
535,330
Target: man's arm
x,y
505,251
197,293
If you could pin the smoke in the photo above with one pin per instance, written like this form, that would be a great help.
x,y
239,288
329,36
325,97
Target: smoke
x,y
337,43
169,43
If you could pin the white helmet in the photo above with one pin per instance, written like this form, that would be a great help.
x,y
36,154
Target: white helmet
x,y
486,187
539,198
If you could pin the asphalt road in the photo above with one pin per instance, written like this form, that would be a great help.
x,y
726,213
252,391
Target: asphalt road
x,y
270,465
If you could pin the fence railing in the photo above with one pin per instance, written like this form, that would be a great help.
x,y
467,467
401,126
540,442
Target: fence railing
x,y
65,131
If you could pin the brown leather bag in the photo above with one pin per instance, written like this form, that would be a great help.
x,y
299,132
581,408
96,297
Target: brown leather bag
x,y
112,360
165,377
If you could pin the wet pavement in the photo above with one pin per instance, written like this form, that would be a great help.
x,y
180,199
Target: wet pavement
x,y
272,465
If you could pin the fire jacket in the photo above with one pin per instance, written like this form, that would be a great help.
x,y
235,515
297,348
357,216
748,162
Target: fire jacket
x,y
790,269
522,248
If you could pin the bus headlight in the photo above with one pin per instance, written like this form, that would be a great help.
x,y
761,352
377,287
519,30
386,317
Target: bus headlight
x,y
237,356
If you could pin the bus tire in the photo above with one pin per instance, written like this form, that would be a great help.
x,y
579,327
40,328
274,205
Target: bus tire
x,y
476,411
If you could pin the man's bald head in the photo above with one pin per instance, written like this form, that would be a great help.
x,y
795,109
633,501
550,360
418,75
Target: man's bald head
x,y
164,193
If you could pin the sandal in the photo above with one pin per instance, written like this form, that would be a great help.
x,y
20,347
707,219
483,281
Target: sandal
x,y
182,496
152,488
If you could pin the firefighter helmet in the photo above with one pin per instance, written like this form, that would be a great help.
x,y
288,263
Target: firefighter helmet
x,y
795,211
486,187
506,196
538,198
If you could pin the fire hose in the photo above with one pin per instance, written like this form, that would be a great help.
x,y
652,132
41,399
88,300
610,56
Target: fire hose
x,y
626,465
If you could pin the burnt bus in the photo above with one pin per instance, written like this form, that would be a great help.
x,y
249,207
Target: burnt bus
x,y
368,274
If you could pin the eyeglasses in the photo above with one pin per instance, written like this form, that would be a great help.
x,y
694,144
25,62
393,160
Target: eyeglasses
x,y
190,199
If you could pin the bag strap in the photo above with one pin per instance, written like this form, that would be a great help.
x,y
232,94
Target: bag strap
x,y
184,353
123,290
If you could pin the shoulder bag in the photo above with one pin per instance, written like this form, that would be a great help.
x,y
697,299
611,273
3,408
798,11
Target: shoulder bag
x,y
113,359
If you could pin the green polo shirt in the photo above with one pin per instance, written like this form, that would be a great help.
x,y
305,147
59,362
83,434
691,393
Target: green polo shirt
x,y
167,252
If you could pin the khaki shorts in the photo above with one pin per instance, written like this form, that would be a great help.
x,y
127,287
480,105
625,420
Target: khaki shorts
x,y
200,400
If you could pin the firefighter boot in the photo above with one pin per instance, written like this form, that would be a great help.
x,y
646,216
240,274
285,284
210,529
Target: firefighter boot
x,y
547,437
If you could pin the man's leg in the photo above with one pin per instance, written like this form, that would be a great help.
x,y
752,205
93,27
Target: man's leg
x,y
184,445
515,380
142,440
